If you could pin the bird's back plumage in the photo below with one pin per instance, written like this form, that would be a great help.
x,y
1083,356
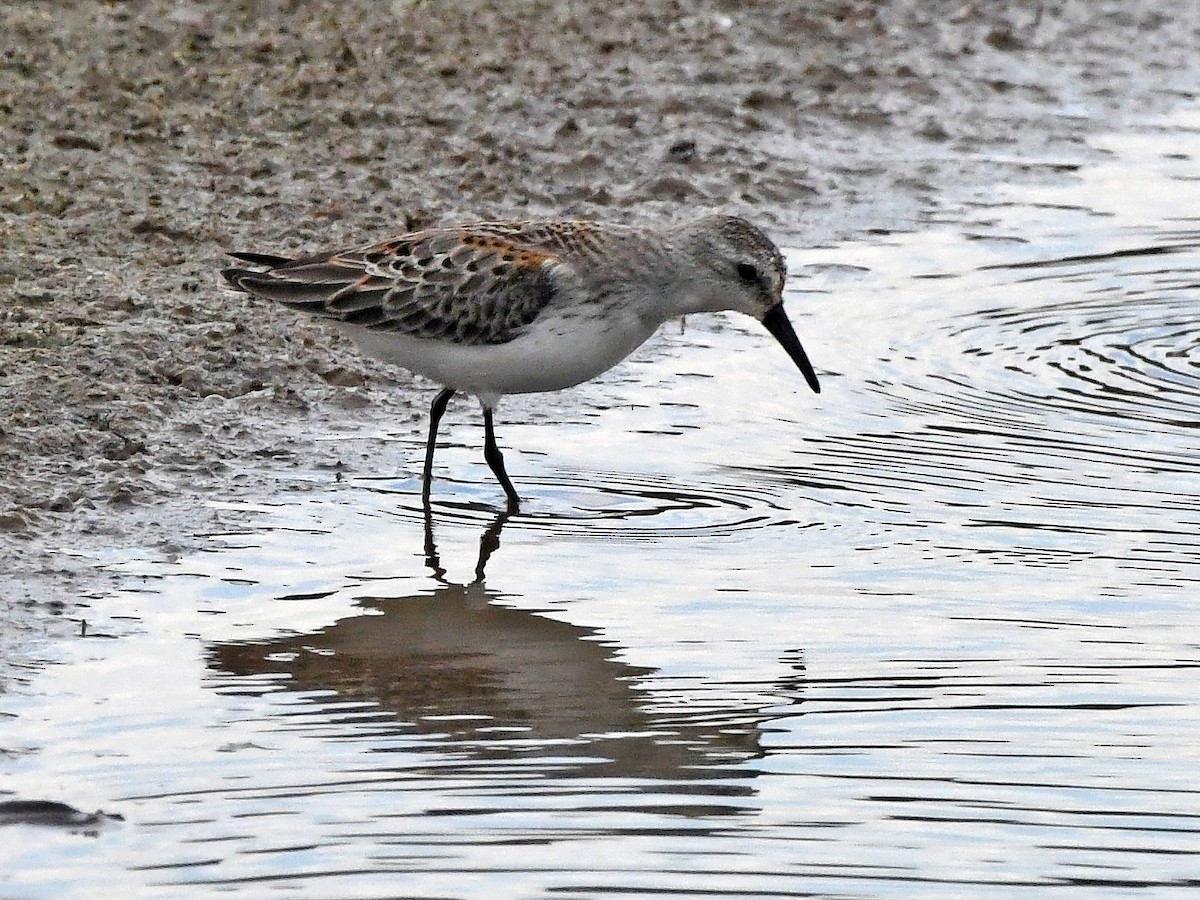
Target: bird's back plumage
x,y
479,284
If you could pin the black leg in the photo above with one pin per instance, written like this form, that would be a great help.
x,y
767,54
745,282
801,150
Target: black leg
x,y
435,417
495,459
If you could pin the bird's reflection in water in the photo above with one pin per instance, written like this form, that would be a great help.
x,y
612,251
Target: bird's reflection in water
x,y
498,681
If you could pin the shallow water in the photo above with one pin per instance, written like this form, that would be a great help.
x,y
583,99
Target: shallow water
x,y
931,633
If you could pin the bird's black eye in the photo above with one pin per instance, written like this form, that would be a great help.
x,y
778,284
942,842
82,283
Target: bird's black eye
x,y
747,273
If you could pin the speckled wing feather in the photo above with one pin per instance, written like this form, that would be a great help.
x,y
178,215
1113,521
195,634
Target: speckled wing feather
x,y
479,284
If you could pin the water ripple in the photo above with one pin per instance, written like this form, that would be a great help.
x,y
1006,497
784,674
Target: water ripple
x,y
618,506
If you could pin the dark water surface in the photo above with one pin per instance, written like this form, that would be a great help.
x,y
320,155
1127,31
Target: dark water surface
x,y
934,633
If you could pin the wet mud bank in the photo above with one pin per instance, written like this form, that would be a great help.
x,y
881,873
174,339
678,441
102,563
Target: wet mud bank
x,y
143,140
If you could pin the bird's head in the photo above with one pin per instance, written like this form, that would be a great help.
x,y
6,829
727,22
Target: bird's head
x,y
744,271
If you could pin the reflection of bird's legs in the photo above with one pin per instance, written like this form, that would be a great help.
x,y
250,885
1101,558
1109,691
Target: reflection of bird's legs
x,y
488,543
431,554
435,417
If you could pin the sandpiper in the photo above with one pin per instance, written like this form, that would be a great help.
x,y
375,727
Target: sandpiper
x,y
495,308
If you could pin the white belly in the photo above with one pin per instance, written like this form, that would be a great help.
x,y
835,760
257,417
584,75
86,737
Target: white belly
x,y
553,354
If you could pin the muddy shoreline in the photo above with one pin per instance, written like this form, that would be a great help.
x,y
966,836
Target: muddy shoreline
x,y
143,140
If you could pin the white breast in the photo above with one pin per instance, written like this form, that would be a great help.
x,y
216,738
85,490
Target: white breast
x,y
556,352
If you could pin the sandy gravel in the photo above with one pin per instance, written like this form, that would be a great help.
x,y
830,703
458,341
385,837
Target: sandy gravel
x,y
139,140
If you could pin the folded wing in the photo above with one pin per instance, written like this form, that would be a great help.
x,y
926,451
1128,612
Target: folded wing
x,y
479,285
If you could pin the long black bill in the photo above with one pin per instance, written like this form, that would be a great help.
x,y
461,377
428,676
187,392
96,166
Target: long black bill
x,y
777,322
